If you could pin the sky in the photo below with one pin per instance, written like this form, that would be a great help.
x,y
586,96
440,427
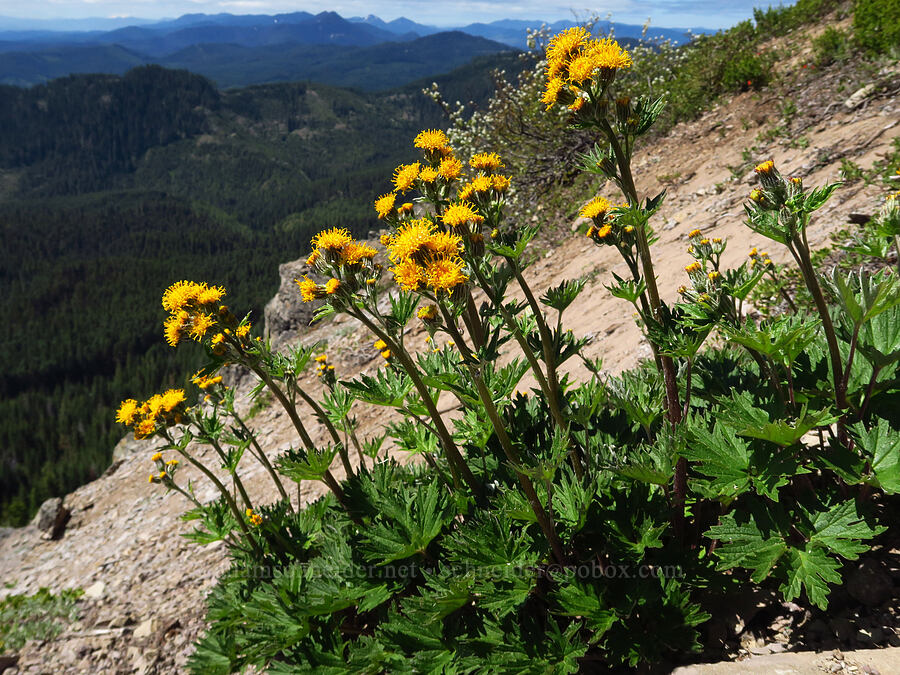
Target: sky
x,y
663,13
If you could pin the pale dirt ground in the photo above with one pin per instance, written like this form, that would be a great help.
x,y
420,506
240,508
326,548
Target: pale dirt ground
x,y
146,584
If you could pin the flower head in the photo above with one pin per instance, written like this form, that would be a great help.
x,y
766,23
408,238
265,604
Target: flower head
x,y
309,289
127,412
431,139
332,240
457,215
450,168
486,161
332,286
765,168
405,176
384,205
445,274
596,209
355,254
411,239
408,275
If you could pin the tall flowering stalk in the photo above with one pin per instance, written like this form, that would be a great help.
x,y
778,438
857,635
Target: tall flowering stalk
x,y
580,74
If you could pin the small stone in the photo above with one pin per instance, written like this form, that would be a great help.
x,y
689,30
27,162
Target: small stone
x,y
95,591
145,628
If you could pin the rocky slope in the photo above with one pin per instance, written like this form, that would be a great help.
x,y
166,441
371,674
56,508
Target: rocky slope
x,y
145,584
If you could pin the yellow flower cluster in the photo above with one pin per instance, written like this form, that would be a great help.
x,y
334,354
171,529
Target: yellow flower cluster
x,y
165,408
324,368
254,518
193,310
204,382
382,347
575,61
424,255
336,252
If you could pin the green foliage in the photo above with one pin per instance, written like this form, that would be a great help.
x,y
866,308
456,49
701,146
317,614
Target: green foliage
x,y
876,25
41,616
831,46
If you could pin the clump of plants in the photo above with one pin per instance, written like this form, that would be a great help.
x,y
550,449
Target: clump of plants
x,y
578,525
40,616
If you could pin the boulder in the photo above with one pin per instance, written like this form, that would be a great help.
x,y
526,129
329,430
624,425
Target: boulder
x,y
286,314
52,517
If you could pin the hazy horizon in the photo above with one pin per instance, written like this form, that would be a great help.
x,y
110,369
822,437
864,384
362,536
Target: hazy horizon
x,y
108,14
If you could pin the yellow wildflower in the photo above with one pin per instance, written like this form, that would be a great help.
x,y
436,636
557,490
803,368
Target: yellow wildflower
x,y
175,325
551,94
693,267
444,244
385,204
694,233
145,428
179,295
201,324
607,55
457,215
566,43
309,289
332,240
603,232
172,463
486,161
465,192
713,276
450,168
596,209
321,358
405,176
127,412
405,208
431,139
408,275
411,239
243,331
765,168
445,274
157,457
171,399
428,175
500,183
313,257
332,286
210,295
380,345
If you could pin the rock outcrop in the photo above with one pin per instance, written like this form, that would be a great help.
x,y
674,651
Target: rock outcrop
x,y
286,314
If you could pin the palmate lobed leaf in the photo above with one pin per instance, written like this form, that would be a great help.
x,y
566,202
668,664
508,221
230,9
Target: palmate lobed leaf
x,y
747,420
416,516
881,446
763,539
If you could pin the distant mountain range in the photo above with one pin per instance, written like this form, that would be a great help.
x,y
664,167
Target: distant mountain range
x,y
237,50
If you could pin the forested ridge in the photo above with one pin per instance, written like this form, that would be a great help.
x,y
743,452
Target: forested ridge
x,y
111,188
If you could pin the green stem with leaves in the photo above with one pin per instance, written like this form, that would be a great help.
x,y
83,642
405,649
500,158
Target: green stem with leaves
x,y
473,366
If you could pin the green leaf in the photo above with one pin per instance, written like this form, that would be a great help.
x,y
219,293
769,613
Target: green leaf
x,y
881,445
748,420
810,570
388,387
722,456
575,598
417,515
560,297
753,543
299,464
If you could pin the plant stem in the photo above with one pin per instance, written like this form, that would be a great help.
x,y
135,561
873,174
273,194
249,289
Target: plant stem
x,y
512,455
261,456
554,395
229,500
238,483
323,418
291,410
800,250
455,460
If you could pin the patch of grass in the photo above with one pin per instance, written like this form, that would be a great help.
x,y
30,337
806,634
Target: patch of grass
x,y
42,615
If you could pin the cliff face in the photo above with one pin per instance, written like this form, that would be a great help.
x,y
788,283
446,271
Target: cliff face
x,y
145,584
